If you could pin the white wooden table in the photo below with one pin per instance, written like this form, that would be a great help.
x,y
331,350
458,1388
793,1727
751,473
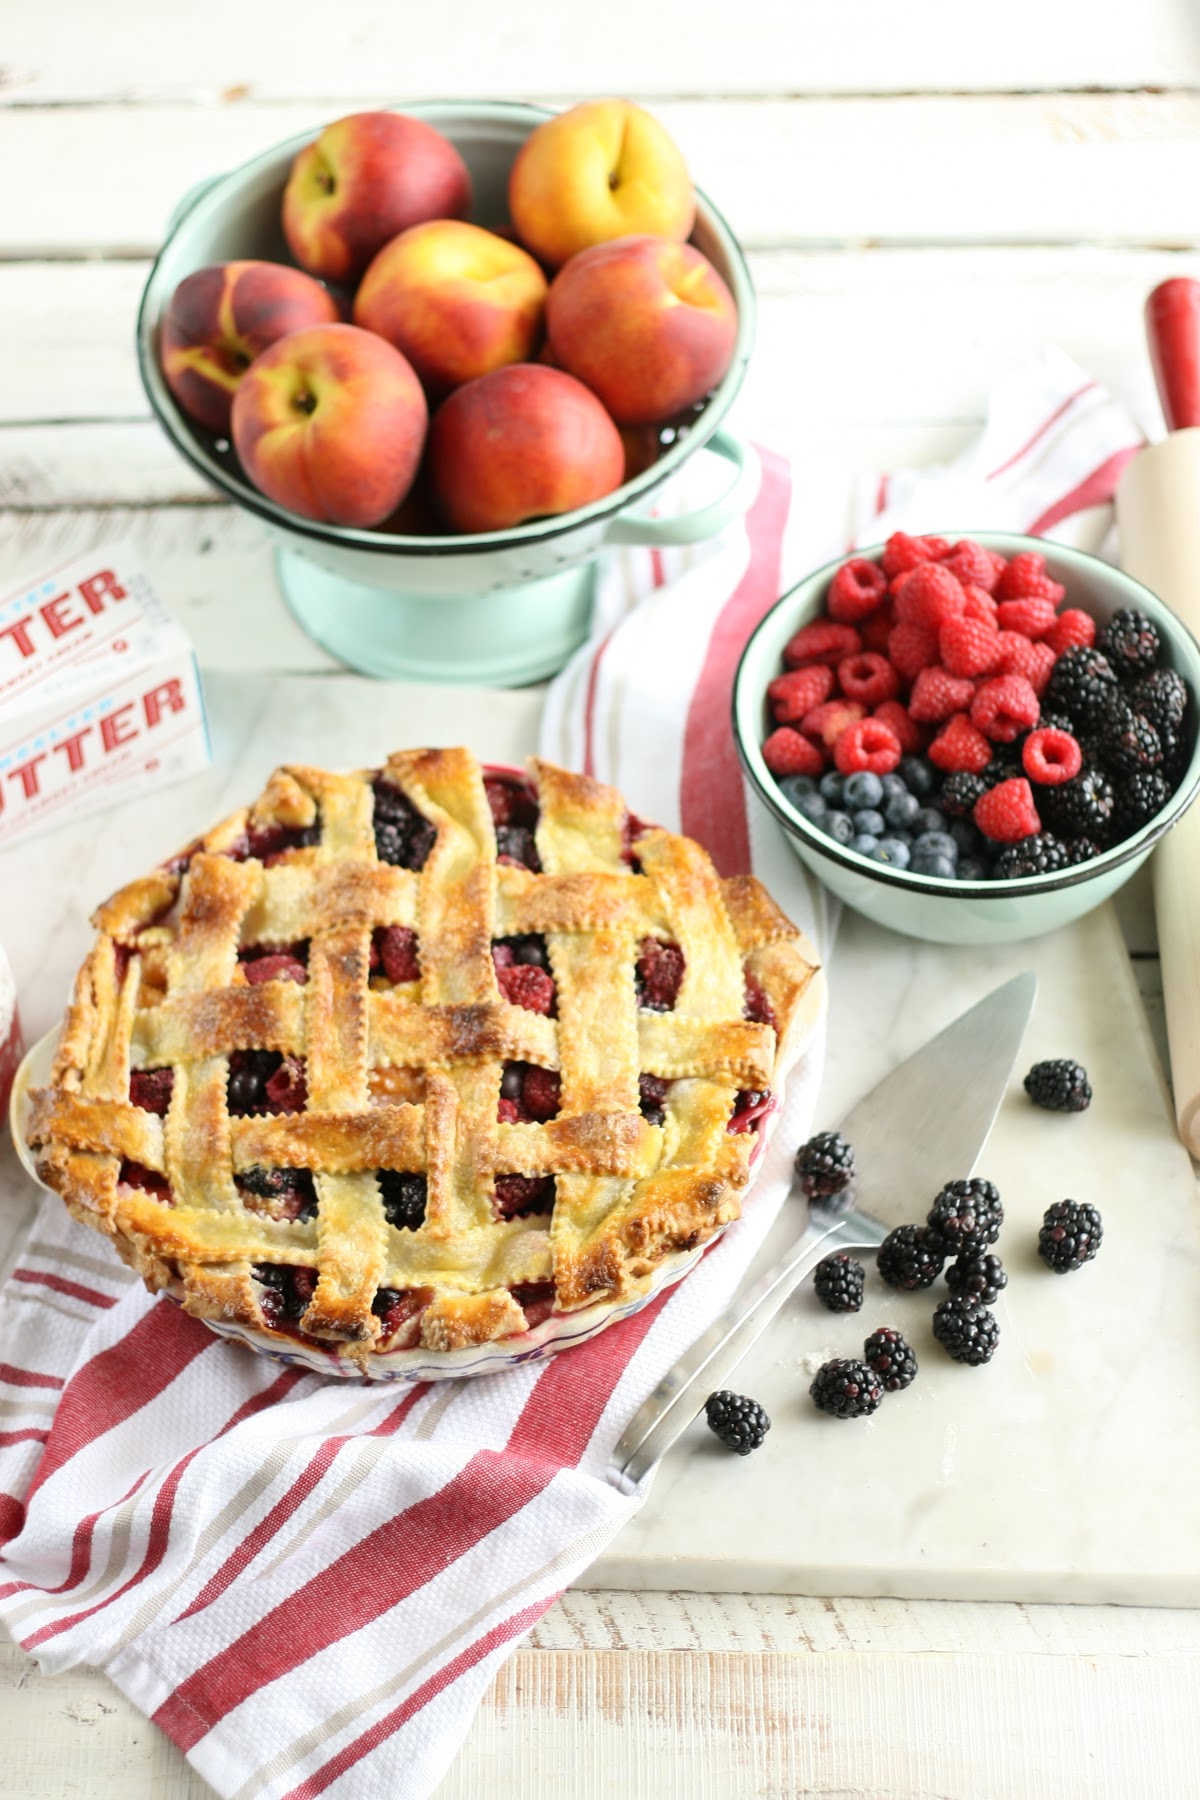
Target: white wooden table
x,y
922,189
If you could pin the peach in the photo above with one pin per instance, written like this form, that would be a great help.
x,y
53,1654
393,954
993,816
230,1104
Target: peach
x,y
218,321
366,178
601,170
521,443
330,422
649,326
458,301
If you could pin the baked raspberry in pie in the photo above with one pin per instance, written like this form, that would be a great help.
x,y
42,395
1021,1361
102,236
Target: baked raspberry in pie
x,y
419,1055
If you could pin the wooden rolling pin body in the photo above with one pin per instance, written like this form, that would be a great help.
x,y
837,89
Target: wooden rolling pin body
x,y
1158,516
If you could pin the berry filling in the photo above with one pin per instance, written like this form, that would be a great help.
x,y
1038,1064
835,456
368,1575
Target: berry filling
x,y
261,963
278,1193
137,1175
399,1313
652,1095
750,1108
403,836
404,1197
535,1299
517,1195
265,1081
514,811
286,1291
394,950
528,1093
658,974
151,1089
757,1007
522,976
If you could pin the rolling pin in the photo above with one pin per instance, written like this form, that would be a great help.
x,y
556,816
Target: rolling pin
x,y
1158,518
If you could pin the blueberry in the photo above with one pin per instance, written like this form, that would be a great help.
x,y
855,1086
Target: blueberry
x,y
795,787
893,785
901,809
870,821
863,789
892,850
831,787
866,843
936,843
811,807
918,774
929,819
966,836
970,869
839,826
927,862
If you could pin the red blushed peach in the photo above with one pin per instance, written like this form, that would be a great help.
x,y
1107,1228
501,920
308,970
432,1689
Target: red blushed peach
x,y
649,326
365,179
221,318
459,302
522,443
599,171
331,424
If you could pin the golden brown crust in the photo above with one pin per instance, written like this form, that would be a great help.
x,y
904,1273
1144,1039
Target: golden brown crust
x,y
406,1077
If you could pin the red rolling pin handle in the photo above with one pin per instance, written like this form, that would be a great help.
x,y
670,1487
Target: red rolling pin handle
x,y
1173,331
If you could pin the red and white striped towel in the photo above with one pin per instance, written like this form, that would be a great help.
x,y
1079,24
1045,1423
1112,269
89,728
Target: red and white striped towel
x,y
309,1586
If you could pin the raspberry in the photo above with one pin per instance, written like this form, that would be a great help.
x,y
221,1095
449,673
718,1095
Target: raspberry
x,y
822,641
541,1092
398,953
1006,813
929,595
936,694
827,722
658,973
867,677
912,648
979,605
970,563
969,646
1026,579
1020,656
1030,616
902,552
1004,707
151,1089
279,968
1071,627
908,733
1051,757
785,752
876,628
867,745
856,590
797,692
524,984
959,745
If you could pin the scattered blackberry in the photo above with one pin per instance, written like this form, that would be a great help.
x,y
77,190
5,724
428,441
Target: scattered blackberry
x,y
1039,855
1082,849
1128,743
966,1215
966,1331
517,844
1081,683
740,1423
825,1165
959,793
1052,721
652,1093
1059,1086
886,1353
977,1275
846,1388
1004,764
403,836
1136,800
838,1282
403,1198
1175,752
1083,806
1131,643
1070,1235
910,1257
1161,697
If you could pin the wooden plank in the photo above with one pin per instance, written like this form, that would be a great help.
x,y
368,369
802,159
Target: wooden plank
x,y
693,47
1035,169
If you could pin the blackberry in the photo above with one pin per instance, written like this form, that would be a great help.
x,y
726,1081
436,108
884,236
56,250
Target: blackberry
x,y
289,1192
1128,743
886,1353
966,1215
1052,721
977,1275
249,1073
1161,697
1174,752
652,1092
1083,806
1070,1235
516,844
825,1165
740,1423
838,1282
1082,849
1136,800
1039,855
959,793
846,1388
1059,1086
1005,763
966,1331
286,1290
1081,683
403,1198
910,1257
1131,643
403,836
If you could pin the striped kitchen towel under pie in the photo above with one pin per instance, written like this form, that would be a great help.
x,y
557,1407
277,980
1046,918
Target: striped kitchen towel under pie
x,y
307,1584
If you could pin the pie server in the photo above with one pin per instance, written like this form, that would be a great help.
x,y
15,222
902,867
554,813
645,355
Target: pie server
x,y
908,1142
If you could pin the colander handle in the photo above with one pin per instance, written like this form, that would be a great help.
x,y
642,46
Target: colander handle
x,y
705,521
184,206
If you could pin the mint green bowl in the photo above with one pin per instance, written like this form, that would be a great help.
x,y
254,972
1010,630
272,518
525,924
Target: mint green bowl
x,y
928,906
492,607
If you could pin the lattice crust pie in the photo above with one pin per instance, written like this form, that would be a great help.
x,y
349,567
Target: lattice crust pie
x,y
418,1055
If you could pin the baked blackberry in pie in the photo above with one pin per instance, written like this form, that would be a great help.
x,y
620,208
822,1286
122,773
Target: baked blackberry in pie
x,y
417,1055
